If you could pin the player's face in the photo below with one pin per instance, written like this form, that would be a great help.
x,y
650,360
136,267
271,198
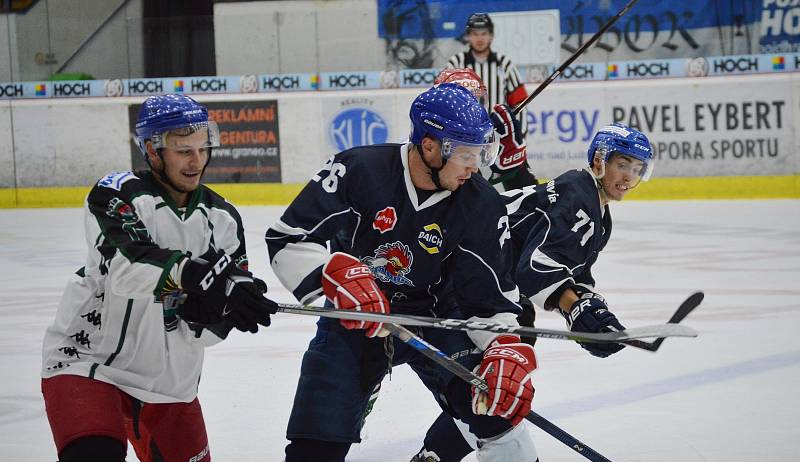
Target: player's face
x,y
184,159
622,174
479,40
453,175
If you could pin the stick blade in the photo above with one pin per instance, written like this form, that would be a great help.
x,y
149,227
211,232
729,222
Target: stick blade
x,y
688,305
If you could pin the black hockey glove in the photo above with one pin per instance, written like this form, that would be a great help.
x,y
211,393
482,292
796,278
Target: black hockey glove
x,y
230,291
590,314
195,309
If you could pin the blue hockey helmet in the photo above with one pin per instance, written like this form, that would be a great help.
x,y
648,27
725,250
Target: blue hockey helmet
x,y
621,139
162,114
450,114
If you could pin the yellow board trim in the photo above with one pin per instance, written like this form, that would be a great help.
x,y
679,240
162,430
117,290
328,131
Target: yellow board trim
x,y
235,193
718,187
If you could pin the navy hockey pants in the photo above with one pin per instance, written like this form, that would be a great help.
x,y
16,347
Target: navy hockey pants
x,y
341,368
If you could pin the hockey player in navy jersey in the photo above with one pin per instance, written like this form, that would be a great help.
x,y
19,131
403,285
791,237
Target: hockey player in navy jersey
x,y
558,230
166,275
415,217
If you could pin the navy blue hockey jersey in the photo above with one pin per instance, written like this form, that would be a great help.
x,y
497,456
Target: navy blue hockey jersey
x,y
364,202
557,232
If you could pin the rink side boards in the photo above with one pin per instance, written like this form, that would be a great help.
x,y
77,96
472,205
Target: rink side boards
x,y
745,187
734,137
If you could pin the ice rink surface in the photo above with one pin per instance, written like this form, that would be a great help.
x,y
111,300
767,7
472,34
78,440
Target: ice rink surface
x,y
729,395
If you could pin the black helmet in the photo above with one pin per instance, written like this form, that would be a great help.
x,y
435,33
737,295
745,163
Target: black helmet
x,y
480,21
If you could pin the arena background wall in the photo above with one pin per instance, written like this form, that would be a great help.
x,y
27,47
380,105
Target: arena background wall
x,y
715,137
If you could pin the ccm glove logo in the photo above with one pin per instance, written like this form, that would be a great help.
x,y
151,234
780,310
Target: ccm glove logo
x,y
507,353
357,271
216,270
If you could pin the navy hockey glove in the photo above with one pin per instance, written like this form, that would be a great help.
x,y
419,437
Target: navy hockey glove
x,y
512,141
590,314
231,292
506,367
349,284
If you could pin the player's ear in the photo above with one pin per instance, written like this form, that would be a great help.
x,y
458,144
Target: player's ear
x,y
428,144
152,154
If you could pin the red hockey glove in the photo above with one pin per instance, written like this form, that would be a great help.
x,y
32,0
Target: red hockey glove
x,y
506,367
512,140
349,284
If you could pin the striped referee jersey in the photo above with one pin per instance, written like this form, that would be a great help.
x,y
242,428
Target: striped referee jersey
x,y
499,75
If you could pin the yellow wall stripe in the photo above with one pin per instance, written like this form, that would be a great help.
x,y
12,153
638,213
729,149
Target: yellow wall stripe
x,y
722,187
719,187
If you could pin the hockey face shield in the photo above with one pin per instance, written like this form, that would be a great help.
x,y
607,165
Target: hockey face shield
x,y
628,144
196,136
469,154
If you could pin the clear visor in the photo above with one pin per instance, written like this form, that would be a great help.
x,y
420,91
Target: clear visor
x,y
626,165
195,136
471,155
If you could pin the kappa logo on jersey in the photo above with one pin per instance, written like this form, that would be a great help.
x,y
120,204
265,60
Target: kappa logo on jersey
x,y
430,238
385,220
392,261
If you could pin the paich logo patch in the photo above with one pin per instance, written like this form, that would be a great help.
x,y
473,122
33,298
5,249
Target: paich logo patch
x,y
392,261
385,220
430,238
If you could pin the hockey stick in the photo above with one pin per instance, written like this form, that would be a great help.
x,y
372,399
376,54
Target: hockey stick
x,y
437,356
572,58
660,330
683,310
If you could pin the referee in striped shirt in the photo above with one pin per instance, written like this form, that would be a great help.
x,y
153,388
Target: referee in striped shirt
x,y
503,84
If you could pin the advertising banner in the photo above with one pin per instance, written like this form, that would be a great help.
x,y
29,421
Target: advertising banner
x,y
281,82
250,143
349,80
414,78
733,126
57,89
780,26
358,121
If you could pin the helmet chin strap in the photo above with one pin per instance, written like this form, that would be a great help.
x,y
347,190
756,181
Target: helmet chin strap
x,y
598,177
434,171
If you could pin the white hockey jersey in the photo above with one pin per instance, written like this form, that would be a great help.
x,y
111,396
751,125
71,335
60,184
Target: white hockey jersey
x,y
111,324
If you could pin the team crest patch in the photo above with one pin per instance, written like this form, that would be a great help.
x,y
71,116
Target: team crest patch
x,y
242,263
117,208
430,238
385,220
391,263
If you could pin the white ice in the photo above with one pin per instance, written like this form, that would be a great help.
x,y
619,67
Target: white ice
x,y
729,395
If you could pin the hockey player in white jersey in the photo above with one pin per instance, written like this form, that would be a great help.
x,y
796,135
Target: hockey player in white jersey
x,y
558,230
166,275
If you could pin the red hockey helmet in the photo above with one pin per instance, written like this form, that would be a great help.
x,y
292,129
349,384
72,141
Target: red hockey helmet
x,y
467,78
